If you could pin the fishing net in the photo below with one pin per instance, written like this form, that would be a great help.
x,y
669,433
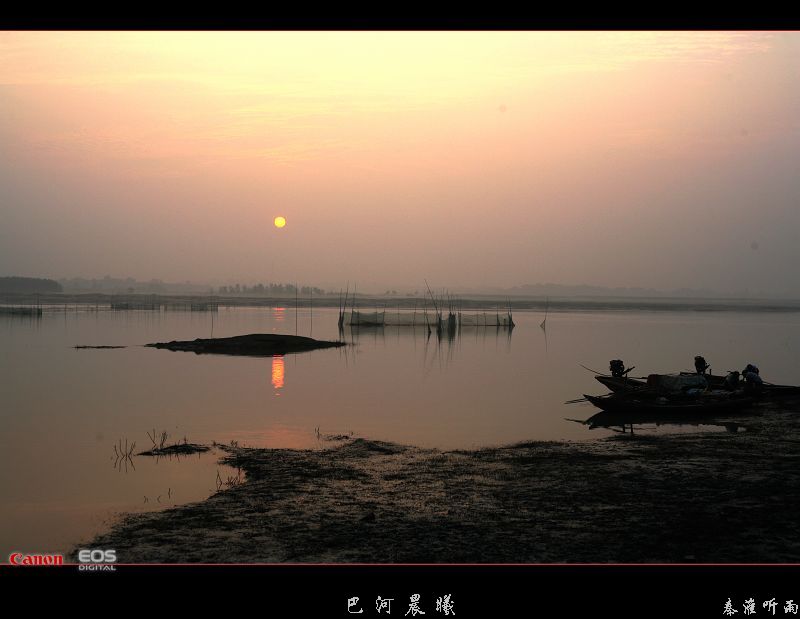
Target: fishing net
x,y
423,318
485,319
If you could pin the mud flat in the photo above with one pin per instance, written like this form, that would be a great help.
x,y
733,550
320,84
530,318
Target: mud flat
x,y
254,345
716,497
178,449
98,347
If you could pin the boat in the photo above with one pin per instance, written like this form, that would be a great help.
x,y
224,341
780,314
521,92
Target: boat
x,y
622,384
713,402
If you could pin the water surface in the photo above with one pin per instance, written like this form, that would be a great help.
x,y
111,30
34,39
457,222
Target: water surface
x,y
63,409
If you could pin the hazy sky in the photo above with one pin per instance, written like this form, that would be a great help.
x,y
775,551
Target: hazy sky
x,y
659,160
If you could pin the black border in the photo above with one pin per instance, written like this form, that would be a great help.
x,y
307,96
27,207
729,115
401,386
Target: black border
x,y
400,17
476,590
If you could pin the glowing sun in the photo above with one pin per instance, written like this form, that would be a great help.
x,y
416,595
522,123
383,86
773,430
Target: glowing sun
x,y
280,222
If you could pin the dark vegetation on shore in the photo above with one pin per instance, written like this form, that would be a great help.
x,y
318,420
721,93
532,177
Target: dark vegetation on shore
x,y
28,285
98,347
255,345
178,449
714,497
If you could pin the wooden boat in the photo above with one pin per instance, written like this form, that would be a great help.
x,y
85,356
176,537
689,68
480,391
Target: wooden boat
x,y
688,405
621,383
625,385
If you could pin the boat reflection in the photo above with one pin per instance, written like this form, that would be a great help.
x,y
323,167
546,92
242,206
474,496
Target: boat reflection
x,y
625,422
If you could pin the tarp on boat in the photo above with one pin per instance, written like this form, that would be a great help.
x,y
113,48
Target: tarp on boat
x,y
676,383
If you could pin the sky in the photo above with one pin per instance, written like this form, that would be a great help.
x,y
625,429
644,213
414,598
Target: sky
x,y
471,159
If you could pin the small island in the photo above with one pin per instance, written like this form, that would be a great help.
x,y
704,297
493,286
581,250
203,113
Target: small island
x,y
253,345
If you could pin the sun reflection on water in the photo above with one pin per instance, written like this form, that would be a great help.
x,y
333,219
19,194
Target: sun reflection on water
x,y
277,373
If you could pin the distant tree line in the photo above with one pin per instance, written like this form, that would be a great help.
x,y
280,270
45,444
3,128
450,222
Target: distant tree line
x,y
272,290
120,285
28,285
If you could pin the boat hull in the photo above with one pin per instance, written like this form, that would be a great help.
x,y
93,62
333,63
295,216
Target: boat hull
x,y
627,385
620,384
700,405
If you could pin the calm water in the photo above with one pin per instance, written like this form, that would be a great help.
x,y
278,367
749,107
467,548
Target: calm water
x,y
63,409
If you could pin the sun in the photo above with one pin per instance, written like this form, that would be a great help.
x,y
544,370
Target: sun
x,y
280,222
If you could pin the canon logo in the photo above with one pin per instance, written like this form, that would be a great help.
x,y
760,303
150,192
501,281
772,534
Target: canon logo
x,y
18,558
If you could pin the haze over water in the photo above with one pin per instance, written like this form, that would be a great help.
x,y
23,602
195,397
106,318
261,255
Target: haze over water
x,y
653,159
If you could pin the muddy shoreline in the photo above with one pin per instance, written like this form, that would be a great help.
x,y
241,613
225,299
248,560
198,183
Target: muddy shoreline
x,y
716,497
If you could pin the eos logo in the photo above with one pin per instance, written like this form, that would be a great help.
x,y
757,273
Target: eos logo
x,y
97,560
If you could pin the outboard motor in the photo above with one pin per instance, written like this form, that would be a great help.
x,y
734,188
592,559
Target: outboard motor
x,y
617,368
700,364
